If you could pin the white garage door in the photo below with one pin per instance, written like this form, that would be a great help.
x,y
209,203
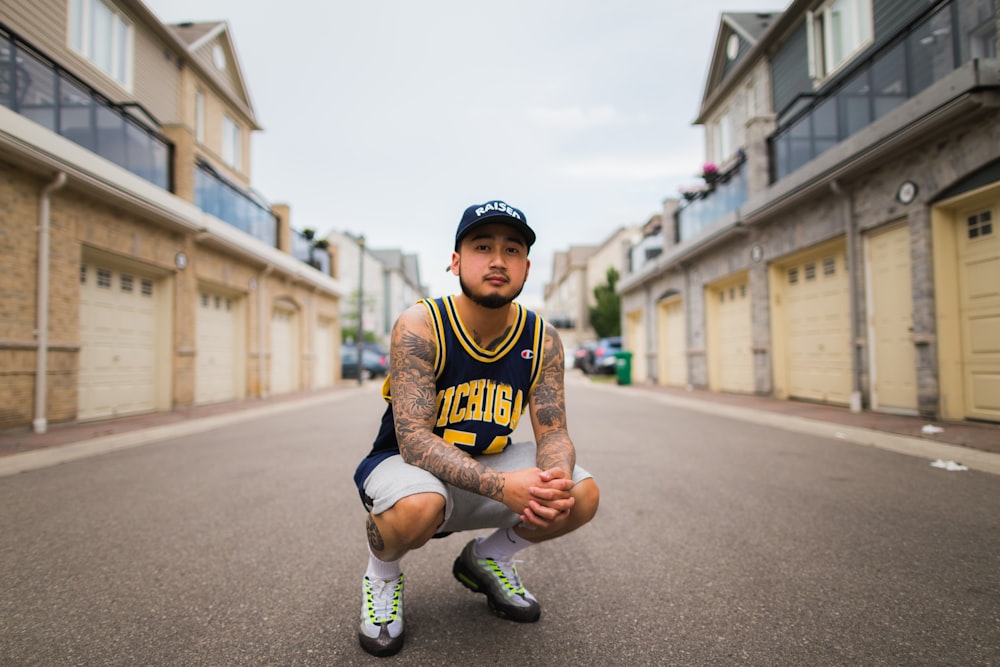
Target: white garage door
x,y
324,369
672,351
979,302
730,351
284,351
817,308
118,342
218,350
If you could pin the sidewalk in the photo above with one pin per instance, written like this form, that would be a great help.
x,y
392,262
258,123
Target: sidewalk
x,y
21,449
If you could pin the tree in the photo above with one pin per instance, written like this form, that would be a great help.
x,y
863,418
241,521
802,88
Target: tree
x,y
605,317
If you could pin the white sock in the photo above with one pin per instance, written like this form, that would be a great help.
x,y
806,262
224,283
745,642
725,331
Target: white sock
x,y
381,569
501,545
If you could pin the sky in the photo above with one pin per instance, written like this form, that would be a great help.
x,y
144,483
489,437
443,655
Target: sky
x,y
388,117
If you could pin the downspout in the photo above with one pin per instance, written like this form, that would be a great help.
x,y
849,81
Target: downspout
x,y
261,302
40,424
851,232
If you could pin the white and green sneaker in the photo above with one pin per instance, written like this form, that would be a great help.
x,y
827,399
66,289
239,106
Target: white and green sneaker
x,y
499,582
381,630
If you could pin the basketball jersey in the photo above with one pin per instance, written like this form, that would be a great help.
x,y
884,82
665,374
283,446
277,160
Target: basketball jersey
x,y
481,394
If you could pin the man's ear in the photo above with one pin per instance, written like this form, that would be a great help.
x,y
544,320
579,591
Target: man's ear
x,y
455,257
527,268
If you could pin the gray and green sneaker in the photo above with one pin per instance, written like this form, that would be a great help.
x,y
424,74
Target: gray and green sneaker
x,y
499,582
381,630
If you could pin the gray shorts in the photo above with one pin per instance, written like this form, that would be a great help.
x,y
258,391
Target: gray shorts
x,y
394,479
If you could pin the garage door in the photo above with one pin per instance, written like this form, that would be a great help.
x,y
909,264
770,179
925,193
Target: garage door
x,y
730,352
324,369
219,349
118,342
672,348
978,246
890,321
636,337
817,325
284,351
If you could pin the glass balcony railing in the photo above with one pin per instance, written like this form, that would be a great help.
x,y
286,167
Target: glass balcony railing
x,y
216,196
37,88
703,208
926,52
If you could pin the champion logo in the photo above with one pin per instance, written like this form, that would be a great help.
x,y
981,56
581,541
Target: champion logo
x,y
527,354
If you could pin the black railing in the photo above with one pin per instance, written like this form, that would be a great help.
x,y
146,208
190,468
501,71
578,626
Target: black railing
x,y
34,86
927,51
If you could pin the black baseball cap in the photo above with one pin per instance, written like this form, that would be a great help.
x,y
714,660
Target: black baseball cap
x,y
494,211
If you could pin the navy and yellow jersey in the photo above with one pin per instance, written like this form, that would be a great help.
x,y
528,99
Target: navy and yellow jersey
x,y
481,394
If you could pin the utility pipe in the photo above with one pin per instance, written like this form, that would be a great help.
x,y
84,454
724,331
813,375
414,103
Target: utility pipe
x,y
40,423
853,271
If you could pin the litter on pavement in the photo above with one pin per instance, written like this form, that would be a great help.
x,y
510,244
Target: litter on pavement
x,y
948,465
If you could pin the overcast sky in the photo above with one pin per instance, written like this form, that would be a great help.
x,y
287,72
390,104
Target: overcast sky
x,y
389,117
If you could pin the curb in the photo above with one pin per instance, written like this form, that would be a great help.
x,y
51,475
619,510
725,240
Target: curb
x,y
974,459
50,456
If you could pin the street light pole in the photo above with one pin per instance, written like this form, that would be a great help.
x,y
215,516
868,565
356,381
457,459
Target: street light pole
x,y
361,304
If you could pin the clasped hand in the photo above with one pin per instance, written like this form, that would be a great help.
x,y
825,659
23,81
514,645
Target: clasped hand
x,y
540,497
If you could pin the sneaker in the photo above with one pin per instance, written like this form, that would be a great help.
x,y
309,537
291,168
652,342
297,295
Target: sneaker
x,y
381,630
499,582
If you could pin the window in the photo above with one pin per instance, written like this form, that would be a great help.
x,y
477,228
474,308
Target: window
x,y
199,116
101,34
836,31
723,138
232,151
980,225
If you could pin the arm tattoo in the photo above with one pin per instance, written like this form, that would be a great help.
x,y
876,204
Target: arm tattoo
x,y
414,409
548,402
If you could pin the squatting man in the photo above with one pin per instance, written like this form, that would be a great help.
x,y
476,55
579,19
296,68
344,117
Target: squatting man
x,y
462,370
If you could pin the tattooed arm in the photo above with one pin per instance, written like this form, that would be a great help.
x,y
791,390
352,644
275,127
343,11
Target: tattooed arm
x,y
414,409
548,409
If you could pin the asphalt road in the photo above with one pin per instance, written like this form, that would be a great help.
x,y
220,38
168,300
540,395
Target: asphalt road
x,y
718,542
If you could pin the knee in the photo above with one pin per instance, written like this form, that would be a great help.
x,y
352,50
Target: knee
x,y
414,519
588,497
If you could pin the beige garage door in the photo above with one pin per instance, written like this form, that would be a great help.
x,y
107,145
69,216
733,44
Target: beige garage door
x,y
672,348
890,321
218,370
817,326
978,246
284,351
118,342
730,355
636,337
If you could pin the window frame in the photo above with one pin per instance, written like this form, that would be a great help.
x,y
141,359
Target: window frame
x,y
823,60
232,142
120,41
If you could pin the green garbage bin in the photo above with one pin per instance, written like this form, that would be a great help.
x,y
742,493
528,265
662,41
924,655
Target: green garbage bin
x,y
623,366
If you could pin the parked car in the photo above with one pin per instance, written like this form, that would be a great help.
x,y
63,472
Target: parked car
x,y
604,355
583,355
374,364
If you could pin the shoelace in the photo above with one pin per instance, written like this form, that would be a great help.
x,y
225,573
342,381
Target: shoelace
x,y
509,570
382,598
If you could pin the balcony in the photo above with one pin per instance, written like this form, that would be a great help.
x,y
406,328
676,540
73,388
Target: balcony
x,y
723,194
926,52
216,196
37,88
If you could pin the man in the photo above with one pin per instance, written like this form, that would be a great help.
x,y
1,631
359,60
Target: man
x,y
462,371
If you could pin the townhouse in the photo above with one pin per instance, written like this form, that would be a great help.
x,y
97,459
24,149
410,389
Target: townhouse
x,y
842,244
141,270
569,295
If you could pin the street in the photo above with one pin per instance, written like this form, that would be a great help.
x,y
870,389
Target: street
x,y
718,542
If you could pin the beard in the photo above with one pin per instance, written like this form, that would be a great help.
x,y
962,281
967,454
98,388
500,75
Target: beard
x,y
492,301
